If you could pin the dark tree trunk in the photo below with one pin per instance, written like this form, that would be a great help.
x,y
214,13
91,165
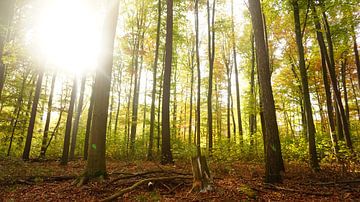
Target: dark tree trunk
x,y
30,131
77,118
331,70
88,123
355,97
96,165
310,126
356,54
211,53
166,155
69,119
273,156
153,93
48,118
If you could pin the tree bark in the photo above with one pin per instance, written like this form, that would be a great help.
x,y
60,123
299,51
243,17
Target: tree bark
x,y
252,117
77,118
69,119
331,70
30,131
166,155
96,165
88,123
48,117
153,93
310,126
237,84
198,124
211,53
273,157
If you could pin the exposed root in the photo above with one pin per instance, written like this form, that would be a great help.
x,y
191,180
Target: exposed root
x,y
137,184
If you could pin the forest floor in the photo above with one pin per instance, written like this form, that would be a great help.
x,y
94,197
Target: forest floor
x,y
48,181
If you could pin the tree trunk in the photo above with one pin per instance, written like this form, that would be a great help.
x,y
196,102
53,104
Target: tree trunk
x,y
252,117
96,165
331,70
77,118
238,103
191,64
273,160
343,80
211,53
166,155
17,111
119,103
310,126
356,54
69,119
153,93
159,108
48,117
88,123
198,124
30,131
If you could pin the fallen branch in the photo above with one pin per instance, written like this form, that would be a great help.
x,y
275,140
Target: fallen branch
x,y
129,175
33,179
271,186
339,182
137,184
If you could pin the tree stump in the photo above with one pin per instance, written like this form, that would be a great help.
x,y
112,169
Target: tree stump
x,y
202,179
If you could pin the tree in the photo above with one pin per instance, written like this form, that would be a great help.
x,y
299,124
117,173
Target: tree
x,y
48,117
69,119
77,117
273,157
96,165
198,78
238,104
153,93
166,155
310,126
30,130
211,53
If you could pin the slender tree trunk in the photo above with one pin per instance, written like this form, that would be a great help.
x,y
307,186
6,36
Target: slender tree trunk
x,y
211,53
159,108
17,111
191,63
198,124
153,93
96,165
119,103
343,80
274,163
166,155
30,131
77,118
310,126
69,119
237,84
331,69
88,123
252,117
48,117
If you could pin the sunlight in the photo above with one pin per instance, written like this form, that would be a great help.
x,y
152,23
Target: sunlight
x,y
68,34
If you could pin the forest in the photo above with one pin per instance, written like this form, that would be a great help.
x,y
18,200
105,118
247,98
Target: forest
x,y
179,100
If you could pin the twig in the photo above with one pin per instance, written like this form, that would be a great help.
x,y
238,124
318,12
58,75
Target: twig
x,y
339,182
137,184
297,191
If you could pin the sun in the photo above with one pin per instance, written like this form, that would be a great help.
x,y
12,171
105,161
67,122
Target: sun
x,y
68,35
